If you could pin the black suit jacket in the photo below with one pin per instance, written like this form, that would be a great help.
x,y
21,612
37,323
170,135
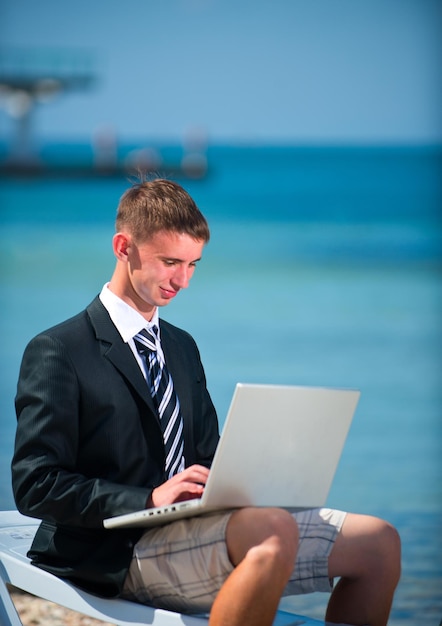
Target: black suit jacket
x,y
89,444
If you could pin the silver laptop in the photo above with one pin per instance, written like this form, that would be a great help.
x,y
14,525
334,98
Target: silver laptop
x,y
280,446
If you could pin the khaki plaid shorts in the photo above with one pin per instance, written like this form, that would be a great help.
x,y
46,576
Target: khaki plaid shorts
x,y
182,566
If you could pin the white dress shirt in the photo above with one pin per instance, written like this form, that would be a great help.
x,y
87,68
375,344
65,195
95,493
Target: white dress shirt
x,y
129,322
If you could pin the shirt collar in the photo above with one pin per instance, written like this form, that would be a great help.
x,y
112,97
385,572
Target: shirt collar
x,y
126,319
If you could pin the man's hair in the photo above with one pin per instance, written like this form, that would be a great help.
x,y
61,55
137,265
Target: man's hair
x,y
149,207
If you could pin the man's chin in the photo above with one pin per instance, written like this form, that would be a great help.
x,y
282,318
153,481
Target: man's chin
x,y
163,302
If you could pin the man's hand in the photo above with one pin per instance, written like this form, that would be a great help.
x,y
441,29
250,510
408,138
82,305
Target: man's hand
x,y
186,485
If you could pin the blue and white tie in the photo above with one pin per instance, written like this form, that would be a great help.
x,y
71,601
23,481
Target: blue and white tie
x,y
164,397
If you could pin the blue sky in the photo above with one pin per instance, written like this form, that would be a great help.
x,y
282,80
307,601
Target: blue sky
x,y
292,71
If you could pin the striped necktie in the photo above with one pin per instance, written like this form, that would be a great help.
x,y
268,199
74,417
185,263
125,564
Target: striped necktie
x,y
164,397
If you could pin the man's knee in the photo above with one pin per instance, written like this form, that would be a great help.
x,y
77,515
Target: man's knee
x,y
366,546
270,534
388,544
383,550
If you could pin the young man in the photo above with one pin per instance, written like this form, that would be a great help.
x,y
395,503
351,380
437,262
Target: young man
x,y
114,415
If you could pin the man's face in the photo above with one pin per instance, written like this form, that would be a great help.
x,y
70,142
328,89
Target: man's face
x,y
159,268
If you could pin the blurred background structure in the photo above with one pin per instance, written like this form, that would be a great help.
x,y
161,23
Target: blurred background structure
x,y
30,77
310,134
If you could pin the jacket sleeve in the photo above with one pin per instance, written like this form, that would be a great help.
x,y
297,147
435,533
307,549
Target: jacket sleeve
x,y
47,477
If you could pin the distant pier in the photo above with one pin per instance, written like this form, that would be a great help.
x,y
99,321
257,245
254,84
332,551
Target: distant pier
x,y
32,77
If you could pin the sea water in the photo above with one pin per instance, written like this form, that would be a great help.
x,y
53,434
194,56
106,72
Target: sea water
x,y
324,268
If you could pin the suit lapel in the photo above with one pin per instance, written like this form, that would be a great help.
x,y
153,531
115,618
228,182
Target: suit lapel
x,y
173,354
117,351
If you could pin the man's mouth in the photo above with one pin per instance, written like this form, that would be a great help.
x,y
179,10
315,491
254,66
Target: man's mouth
x,y
168,293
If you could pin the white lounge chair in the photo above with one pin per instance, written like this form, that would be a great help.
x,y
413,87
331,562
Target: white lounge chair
x,y
16,534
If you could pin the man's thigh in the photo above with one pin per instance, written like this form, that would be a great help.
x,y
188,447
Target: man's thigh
x,y
180,566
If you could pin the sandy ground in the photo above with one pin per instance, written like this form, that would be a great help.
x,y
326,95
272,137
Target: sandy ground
x,y
36,612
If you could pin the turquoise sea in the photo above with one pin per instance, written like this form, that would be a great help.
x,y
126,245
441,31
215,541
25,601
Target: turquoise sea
x,y
324,268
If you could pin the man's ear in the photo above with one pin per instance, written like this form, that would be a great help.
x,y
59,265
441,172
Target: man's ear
x,y
121,243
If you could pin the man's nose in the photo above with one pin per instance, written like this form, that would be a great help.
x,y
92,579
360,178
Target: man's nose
x,y
182,277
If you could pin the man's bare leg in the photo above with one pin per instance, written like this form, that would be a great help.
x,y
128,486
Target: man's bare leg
x,y
367,557
262,545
